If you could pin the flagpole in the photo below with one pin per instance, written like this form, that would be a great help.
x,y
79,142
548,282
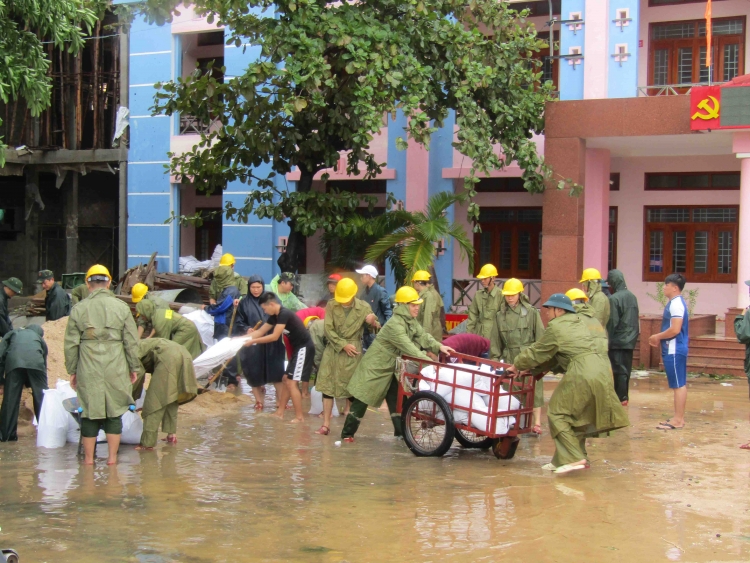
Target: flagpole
x,y
709,33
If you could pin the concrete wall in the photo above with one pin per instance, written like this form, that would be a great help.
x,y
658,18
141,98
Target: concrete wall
x,y
630,201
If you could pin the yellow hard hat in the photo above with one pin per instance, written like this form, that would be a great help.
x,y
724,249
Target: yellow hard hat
x,y
421,275
98,270
346,289
138,292
512,287
590,274
408,295
227,260
575,294
309,319
487,271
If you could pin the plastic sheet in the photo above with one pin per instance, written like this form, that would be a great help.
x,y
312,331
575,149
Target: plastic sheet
x,y
205,325
316,403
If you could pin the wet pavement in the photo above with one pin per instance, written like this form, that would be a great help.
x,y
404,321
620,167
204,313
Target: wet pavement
x,y
248,487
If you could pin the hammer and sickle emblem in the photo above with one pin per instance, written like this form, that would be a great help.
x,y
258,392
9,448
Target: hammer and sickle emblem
x,y
711,112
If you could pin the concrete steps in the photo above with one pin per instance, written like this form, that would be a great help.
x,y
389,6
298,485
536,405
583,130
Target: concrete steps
x,y
715,355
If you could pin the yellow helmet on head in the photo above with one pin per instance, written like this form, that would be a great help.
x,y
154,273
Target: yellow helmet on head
x,y
138,292
309,319
487,271
512,287
590,274
408,295
227,260
576,294
421,276
98,271
346,289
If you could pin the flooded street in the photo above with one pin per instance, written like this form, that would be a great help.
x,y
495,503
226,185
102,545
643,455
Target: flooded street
x,y
247,487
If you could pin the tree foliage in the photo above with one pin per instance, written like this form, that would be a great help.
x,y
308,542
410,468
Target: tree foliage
x,y
326,74
24,27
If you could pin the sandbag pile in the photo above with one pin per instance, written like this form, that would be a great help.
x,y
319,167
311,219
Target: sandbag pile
x,y
445,381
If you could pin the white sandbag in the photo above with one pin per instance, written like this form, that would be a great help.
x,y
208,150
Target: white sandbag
x,y
215,356
53,421
316,403
132,428
464,398
205,325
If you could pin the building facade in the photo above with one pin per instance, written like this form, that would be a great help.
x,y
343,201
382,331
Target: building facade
x,y
657,197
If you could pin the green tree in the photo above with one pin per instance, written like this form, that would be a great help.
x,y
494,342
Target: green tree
x,y
24,27
326,75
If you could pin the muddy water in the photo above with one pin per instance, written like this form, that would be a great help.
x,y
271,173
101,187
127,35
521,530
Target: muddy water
x,y
248,487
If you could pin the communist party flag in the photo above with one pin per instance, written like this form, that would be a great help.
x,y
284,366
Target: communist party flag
x,y
708,34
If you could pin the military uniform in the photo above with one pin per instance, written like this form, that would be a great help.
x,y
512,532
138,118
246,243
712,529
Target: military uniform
x,y
101,349
141,321
598,302
56,303
224,276
482,311
15,285
23,362
584,403
515,329
317,331
79,293
342,326
172,326
430,312
172,383
375,379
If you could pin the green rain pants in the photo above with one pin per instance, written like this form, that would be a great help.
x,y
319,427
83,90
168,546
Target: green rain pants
x,y
166,417
570,443
14,383
358,409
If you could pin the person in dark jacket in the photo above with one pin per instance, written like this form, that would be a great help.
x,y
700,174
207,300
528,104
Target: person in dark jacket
x,y
222,311
376,296
10,288
622,328
57,303
264,363
23,361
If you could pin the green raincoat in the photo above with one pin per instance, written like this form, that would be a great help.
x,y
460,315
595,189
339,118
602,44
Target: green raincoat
x,y
342,327
584,403
517,328
172,326
288,300
317,332
402,334
482,312
429,312
79,293
172,374
22,348
101,348
224,276
140,320
598,302
742,329
56,303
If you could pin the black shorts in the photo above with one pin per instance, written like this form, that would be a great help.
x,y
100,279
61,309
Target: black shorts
x,y
300,365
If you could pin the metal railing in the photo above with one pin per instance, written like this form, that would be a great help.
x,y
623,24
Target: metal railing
x,y
465,290
191,125
672,89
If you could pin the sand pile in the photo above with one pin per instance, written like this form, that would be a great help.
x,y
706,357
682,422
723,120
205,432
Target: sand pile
x,y
212,403
54,336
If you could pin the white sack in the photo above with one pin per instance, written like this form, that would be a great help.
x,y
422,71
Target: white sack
x,y
132,428
215,356
205,325
316,403
464,398
53,421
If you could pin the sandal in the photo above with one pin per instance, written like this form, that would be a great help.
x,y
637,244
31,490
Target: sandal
x,y
537,430
258,406
668,426
570,467
745,446
349,439
323,431
140,448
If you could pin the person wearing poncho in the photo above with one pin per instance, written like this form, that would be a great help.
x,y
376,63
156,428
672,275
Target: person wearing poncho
x,y
224,276
172,383
375,378
584,404
138,293
172,326
344,326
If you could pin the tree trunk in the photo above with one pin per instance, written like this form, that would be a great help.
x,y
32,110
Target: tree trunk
x,y
296,246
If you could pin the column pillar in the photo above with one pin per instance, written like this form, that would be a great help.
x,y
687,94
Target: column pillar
x,y
596,58
596,212
741,147
563,217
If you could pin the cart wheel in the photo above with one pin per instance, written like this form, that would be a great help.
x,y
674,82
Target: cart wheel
x,y
428,424
505,448
469,439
